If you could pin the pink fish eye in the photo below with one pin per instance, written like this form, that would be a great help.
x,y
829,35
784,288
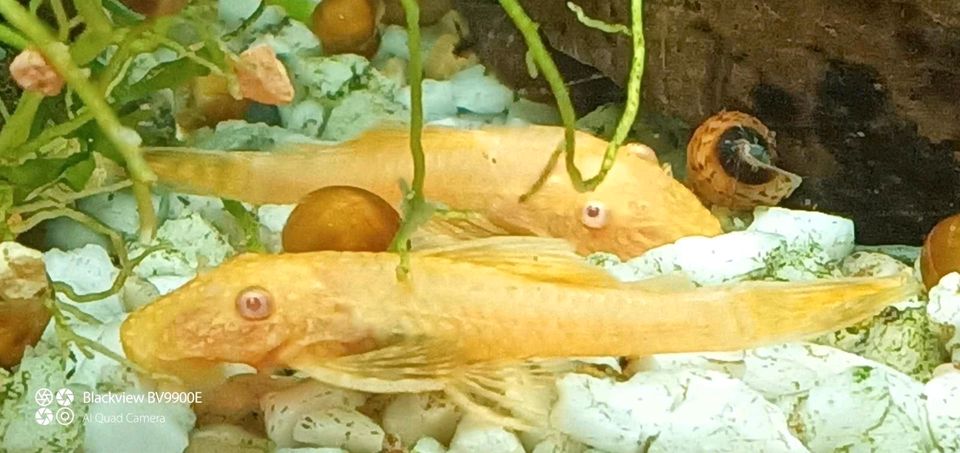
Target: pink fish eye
x,y
254,303
594,215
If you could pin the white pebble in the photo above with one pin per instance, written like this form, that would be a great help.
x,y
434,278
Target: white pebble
x,y
439,99
474,435
118,210
310,450
727,257
943,409
87,270
476,92
282,410
865,409
665,410
835,235
413,416
195,244
341,428
944,308
428,445
272,218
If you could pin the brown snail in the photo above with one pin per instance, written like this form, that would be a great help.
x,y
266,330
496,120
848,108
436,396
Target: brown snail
x,y
941,251
731,162
340,218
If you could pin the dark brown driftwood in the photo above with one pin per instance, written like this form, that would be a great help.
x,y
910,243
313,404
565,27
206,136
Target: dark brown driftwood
x,y
864,95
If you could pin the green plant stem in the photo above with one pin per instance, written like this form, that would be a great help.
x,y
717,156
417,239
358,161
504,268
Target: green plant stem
x,y
11,38
50,133
17,129
63,23
551,74
126,140
549,70
633,95
93,15
417,210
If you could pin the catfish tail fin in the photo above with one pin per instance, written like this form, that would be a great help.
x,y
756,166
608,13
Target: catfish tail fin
x,y
751,314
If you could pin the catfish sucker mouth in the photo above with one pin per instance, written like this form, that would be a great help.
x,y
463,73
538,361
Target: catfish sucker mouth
x,y
485,171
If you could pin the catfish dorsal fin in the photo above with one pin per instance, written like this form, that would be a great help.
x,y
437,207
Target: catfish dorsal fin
x,y
545,259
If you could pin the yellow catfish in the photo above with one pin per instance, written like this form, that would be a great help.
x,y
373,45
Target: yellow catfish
x,y
485,171
472,317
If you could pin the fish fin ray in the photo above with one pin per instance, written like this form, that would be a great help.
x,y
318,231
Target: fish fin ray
x,y
666,283
515,395
779,312
445,230
402,367
539,258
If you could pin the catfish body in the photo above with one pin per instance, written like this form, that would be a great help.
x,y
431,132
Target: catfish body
x,y
472,313
486,171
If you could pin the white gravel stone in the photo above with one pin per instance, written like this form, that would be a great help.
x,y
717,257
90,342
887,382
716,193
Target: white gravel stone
x,y
727,257
87,270
867,409
339,427
835,235
672,410
282,410
272,218
428,445
943,409
117,210
476,92
414,416
474,434
195,243
944,308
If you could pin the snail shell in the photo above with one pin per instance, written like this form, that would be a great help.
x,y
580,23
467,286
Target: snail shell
x,y
941,251
731,162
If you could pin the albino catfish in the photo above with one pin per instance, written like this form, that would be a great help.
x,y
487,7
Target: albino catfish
x,y
485,171
472,318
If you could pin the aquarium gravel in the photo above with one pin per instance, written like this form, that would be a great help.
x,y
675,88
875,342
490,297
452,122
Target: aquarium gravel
x,y
885,385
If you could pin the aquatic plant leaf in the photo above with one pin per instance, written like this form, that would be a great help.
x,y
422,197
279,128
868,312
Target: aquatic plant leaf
x,y
6,202
77,175
164,75
122,16
248,223
89,45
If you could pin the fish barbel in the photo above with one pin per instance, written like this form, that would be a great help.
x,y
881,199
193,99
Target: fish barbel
x,y
471,315
485,171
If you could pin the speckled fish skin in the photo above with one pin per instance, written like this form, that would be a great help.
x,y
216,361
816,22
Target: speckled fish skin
x,y
333,304
483,170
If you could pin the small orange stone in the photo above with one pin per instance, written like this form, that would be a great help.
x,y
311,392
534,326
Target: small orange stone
x,y
262,77
348,26
941,251
341,218
209,102
32,72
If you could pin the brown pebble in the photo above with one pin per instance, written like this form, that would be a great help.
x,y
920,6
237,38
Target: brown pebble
x,y
348,26
341,218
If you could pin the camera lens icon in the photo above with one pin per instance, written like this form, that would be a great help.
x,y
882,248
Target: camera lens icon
x,y
43,397
44,416
64,397
64,416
